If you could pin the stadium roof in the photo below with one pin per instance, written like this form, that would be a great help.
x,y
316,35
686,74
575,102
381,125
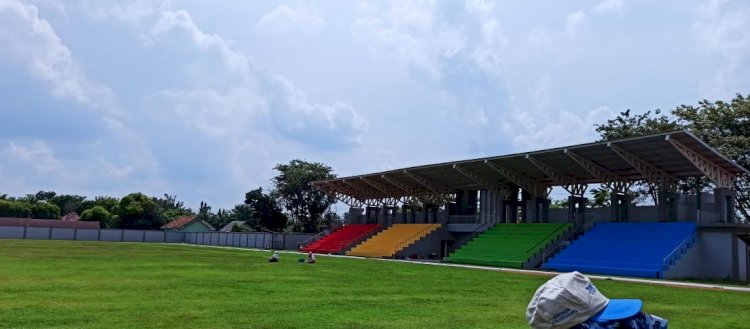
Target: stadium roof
x,y
661,158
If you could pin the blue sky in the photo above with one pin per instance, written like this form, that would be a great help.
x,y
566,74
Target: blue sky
x,y
201,99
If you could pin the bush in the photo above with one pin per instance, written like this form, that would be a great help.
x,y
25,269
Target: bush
x,y
14,209
45,210
96,214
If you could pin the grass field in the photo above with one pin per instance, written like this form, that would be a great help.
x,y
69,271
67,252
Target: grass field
x,y
68,284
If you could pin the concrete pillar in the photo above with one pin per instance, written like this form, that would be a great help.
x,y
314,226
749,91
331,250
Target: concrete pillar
x,y
525,208
512,211
502,214
576,207
495,207
724,203
619,204
667,207
544,209
483,209
355,215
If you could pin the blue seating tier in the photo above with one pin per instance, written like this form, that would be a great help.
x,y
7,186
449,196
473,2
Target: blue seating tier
x,y
625,249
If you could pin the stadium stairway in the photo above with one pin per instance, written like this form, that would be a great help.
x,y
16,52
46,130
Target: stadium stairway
x,y
508,245
341,239
392,240
626,249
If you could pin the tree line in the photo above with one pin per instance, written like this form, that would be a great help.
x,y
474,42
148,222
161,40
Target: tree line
x,y
291,204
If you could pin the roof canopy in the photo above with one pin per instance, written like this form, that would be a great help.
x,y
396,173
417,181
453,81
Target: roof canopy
x,y
660,159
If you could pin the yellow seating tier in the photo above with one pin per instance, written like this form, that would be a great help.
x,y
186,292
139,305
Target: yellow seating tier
x,y
392,240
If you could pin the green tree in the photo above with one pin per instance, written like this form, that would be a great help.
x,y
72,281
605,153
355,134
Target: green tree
x,y
97,214
137,211
239,228
305,204
244,213
266,213
45,210
171,208
68,203
10,208
108,203
45,195
724,126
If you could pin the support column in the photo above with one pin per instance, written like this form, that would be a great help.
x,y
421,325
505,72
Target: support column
x,y
525,208
503,213
511,212
619,204
355,215
545,202
724,203
484,208
496,207
576,207
667,206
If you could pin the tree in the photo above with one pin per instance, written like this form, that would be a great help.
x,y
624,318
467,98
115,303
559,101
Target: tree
x,y
68,203
137,211
45,195
45,210
724,126
97,214
10,208
171,208
239,228
108,203
244,213
265,211
305,204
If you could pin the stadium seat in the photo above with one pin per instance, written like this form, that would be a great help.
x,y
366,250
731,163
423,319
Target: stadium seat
x,y
626,249
393,239
341,239
508,245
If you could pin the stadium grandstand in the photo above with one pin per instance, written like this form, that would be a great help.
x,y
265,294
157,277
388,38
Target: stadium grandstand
x,y
495,211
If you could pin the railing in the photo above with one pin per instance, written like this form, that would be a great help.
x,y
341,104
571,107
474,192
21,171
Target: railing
x,y
675,254
409,240
580,225
536,246
313,238
471,236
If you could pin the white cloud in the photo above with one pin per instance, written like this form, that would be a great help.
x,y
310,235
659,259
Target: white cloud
x,y
37,155
260,97
40,49
609,6
131,11
286,19
404,33
539,122
35,45
723,29
575,22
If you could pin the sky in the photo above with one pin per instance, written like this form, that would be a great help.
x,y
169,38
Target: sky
x,y
201,99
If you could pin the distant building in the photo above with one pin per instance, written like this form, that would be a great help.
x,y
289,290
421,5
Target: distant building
x,y
188,224
230,226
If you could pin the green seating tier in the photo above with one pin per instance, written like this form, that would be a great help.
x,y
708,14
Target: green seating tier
x,y
508,245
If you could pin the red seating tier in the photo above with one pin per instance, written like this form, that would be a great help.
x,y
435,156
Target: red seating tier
x,y
341,238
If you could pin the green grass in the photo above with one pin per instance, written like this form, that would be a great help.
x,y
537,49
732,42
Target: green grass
x,y
66,284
